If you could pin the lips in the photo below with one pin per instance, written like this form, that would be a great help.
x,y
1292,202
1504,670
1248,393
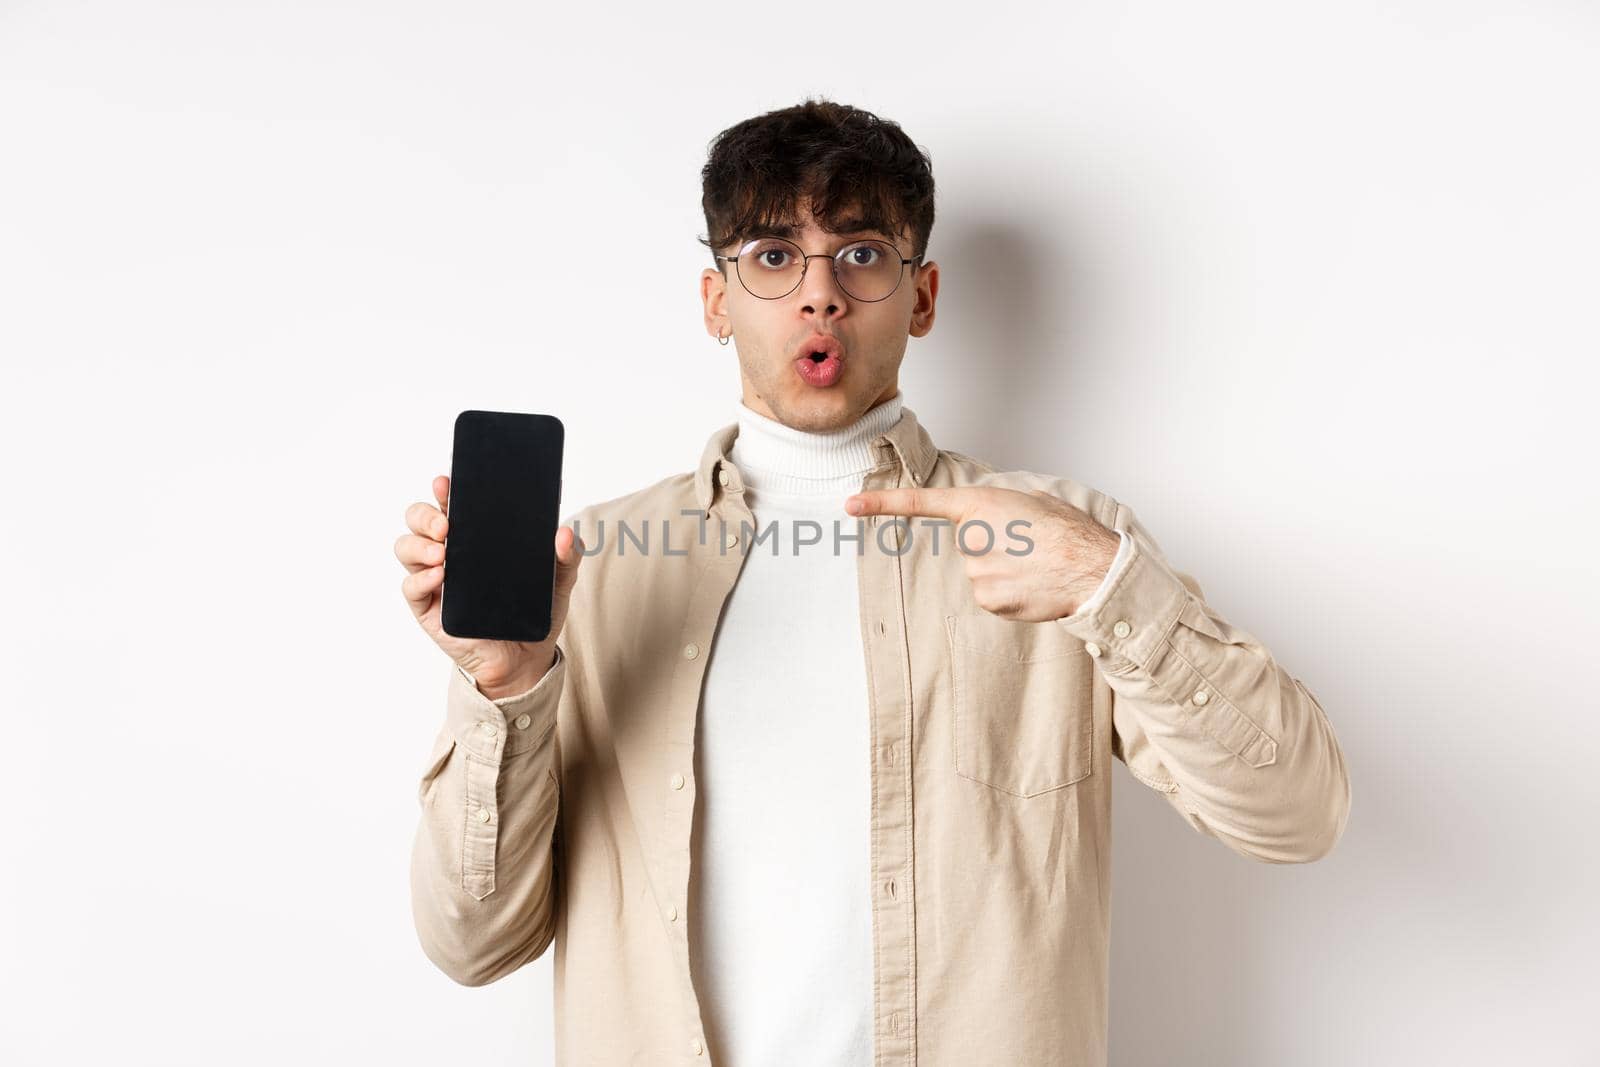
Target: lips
x,y
820,342
819,359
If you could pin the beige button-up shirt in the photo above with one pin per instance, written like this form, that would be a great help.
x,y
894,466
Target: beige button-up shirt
x,y
562,816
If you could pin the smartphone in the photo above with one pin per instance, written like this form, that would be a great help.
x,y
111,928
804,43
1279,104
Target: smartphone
x,y
504,510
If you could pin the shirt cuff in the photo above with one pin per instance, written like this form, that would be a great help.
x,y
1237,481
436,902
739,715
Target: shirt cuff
x,y
1135,606
503,726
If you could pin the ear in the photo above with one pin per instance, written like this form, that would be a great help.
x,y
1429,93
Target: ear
x,y
927,290
714,301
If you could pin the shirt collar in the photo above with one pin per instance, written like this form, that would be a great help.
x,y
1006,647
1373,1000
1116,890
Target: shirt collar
x,y
906,442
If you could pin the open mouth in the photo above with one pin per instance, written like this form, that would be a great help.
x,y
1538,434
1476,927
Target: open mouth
x,y
820,360
820,346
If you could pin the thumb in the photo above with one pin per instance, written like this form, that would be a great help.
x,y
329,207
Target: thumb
x,y
569,554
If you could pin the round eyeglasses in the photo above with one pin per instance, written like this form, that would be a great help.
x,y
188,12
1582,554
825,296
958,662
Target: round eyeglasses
x,y
771,268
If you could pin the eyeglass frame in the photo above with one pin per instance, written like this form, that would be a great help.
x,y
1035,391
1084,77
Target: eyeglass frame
x,y
805,265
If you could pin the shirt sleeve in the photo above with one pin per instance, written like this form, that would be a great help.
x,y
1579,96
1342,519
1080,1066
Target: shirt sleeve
x,y
1205,714
482,864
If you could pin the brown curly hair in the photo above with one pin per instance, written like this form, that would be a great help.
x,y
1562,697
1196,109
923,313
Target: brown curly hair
x,y
859,172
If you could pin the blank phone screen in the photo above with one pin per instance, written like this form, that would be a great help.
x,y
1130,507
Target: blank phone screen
x,y
504,509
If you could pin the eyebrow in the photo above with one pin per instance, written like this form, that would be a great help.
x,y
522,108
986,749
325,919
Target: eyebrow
x,y
851,225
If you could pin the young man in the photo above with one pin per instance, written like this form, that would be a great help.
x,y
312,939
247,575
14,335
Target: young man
x,y
800,782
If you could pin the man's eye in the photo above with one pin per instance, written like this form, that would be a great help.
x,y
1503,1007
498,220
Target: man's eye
x,y
772,257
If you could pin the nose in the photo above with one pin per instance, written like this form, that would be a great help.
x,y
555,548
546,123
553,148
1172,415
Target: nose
x,y
820,289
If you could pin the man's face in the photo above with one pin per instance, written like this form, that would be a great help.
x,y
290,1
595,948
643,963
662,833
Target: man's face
x,y
773,337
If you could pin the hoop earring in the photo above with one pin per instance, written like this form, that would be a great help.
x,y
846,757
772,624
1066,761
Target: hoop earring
x,y
721,340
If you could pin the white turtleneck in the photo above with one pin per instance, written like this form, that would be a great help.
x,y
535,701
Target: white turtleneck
x,y
780,934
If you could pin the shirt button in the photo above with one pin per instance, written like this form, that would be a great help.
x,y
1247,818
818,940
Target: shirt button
x,y
1122,629
691,650
672,913
523,721
697,1046
677,781
483,814
1092,648
732,541
1201,696
722,476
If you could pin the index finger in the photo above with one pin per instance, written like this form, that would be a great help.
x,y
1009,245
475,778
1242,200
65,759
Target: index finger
x,y
945,503
423,518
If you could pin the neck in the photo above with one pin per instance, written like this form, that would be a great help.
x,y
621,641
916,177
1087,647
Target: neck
x,y
774,458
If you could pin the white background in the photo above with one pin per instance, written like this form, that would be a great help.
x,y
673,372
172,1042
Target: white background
x,y
1313,288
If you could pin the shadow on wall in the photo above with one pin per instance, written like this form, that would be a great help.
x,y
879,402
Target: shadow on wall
x,y
1014,326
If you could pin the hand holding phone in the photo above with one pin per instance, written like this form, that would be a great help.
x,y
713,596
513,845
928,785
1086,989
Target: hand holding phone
x,y
514,568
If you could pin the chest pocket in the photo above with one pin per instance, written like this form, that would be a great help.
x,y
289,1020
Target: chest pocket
x,y
1024,718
